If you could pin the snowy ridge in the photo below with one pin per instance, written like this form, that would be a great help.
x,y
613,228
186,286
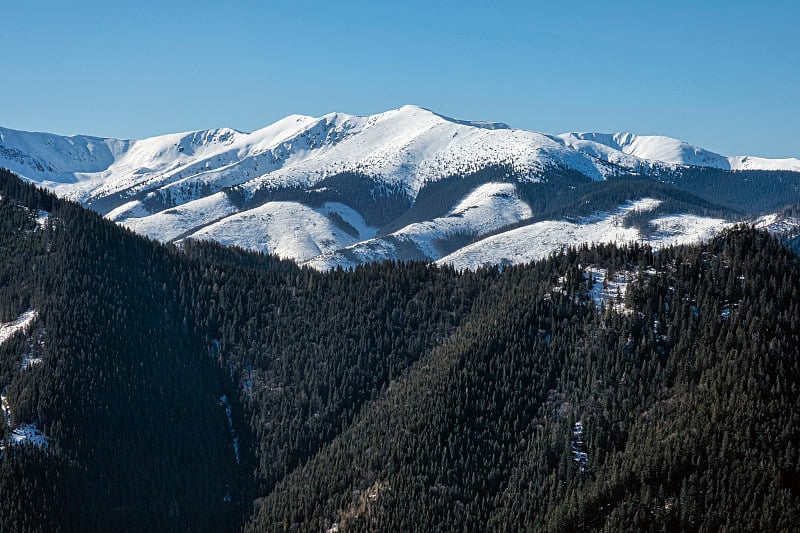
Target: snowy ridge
x,y
267,190
630,150
775,223
410,145
171,224
53,159
538,240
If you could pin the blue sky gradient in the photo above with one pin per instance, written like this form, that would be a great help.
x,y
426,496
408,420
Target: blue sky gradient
x,y
722,75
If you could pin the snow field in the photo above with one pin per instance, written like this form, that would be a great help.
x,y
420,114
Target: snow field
x,y
488,207
24,433
608,292
287,229
538,240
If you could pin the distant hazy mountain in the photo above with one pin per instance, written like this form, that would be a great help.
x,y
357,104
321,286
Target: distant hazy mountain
x,y
342,190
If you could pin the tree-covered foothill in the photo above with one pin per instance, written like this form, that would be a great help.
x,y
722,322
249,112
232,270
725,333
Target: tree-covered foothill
x,y
396,396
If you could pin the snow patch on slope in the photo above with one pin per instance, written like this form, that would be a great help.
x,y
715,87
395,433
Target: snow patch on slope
x,y
23,433
607,291
29,360
22,322
41,218
746,162
223,402
28,433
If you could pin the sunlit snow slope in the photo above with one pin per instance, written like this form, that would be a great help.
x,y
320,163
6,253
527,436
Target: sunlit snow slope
x,y
629,150
540,239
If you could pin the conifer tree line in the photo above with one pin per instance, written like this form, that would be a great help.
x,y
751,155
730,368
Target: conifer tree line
x,y
396,396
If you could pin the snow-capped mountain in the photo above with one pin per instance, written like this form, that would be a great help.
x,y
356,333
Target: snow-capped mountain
x,y
409,146
340,190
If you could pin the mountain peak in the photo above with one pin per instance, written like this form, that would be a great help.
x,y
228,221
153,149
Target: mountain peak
x,y
415,109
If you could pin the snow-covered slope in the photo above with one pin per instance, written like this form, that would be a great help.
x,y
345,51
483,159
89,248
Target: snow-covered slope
x,y
628,150
540,239
173,223
290,230
487,208
333,190
779,223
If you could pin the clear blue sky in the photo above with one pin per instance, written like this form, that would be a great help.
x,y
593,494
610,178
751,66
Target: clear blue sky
x,y
721,74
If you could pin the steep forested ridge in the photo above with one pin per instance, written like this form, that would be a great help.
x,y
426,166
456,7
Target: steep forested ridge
x,y
686,403
395,396
125,390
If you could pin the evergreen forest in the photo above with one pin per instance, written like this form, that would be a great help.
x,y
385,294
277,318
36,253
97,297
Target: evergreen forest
x,y
204,388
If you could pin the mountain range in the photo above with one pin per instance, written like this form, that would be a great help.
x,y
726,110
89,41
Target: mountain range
x,y
409,184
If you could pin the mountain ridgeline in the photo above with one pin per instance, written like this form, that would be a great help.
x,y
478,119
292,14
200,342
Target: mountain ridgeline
x,y
407,184
153,387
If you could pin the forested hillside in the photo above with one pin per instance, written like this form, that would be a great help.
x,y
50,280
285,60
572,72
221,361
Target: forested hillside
x,y
206,388
124,389
682,396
